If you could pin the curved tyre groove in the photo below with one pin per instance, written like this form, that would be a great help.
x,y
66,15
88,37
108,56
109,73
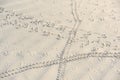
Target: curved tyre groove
x,y
57,61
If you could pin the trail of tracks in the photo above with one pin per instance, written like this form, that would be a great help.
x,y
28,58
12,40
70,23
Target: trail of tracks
x,y
57,61
72,34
